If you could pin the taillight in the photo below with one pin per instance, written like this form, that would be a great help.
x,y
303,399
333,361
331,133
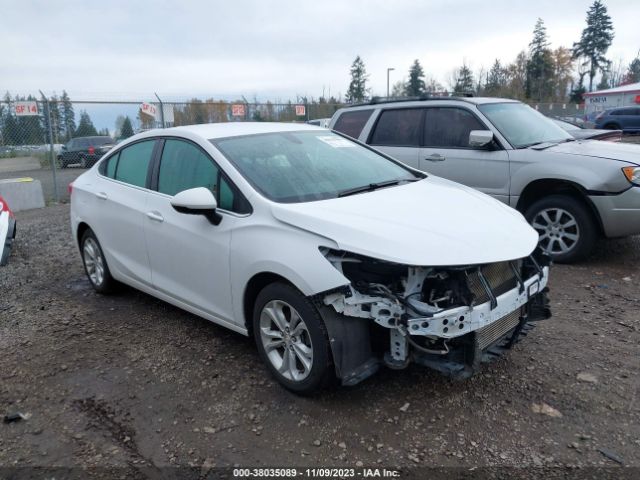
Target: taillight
x,y
70,188
92,150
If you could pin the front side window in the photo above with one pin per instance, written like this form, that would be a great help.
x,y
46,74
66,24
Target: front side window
x,y
184,166
133,163
303,166
352,123
400,128
449,127
523,126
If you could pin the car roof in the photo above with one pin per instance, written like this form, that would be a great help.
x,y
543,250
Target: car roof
x,y
418,102
234,129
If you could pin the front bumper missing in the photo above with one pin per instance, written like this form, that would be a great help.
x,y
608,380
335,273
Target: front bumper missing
x,y
460,321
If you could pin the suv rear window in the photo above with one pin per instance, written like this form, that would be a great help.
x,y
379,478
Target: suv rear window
x,y
352,123
399,127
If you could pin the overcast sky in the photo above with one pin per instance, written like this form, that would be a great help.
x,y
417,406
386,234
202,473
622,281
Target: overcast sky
x,y
272,49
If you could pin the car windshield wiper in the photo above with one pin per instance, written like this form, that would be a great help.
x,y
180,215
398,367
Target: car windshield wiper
x,y
374,186
550,143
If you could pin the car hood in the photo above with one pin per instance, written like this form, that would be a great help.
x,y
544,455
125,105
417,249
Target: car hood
x,y
626,152
432,222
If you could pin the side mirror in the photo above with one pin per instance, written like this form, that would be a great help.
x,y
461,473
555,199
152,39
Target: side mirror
x,y
63,148
197,201
480,138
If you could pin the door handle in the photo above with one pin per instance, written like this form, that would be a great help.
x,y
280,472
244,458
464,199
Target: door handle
x,y
155,216
435,157
101,195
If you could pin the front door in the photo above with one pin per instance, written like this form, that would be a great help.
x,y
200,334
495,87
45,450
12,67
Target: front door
x,y
446,152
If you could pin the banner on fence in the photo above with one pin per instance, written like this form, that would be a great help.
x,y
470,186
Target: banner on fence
x,y
149,109
237,110
25,109
300,110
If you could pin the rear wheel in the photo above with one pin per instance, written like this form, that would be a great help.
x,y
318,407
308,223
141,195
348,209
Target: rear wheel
x,y
292,339
83,162
567,229
95,264
611,126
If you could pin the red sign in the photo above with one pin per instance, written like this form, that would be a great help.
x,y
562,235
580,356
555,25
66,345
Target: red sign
x,y
300,110
637,99
23,109
237,110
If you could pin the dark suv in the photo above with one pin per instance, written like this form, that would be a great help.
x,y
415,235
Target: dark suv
x,y
84,151
626,119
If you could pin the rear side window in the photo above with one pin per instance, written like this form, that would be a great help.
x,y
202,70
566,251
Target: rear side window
x,y
133,163
110,171
184,166
352,123
449,127
399,128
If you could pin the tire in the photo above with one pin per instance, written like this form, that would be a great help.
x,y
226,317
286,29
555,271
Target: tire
x,y
563,220
292,339
612,126
95,264
83,162
61,163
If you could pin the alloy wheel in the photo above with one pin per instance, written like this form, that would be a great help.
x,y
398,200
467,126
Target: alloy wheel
x,y
558,229
286,340
93,261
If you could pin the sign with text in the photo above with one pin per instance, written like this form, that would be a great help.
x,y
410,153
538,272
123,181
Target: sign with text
x,y
300,110
24,109
237,110
149,109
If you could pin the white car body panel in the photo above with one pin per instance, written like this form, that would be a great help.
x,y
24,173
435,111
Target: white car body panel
x,y
385,224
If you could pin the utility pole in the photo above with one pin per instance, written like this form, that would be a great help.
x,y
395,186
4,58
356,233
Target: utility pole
x,y
47,112
161,109
388,70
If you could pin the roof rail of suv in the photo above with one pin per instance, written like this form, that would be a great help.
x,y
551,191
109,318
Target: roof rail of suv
x,y
463,96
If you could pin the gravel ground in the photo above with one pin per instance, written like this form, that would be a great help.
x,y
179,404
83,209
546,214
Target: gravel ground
x,y
127,380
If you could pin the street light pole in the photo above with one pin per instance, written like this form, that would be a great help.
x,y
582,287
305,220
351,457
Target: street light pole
x,y
388,70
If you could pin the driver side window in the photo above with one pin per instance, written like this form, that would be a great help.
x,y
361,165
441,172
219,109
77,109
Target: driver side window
x,y
449,127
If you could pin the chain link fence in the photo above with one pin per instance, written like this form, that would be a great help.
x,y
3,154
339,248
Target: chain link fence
x,y
55,140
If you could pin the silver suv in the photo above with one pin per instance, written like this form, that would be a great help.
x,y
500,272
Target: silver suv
x,y
571,191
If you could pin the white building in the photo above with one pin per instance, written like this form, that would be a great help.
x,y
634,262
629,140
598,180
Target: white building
x,y
624,96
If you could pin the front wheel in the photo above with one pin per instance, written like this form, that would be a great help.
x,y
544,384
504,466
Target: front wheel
x,y
83,162
568,231
292,339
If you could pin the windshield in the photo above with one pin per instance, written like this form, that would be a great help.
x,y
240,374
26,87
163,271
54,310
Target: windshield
x,y
523,126
303,166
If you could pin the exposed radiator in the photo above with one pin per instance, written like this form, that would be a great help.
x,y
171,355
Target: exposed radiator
x,y
489,334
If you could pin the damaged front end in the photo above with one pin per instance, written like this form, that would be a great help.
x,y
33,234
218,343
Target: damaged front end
x,y
448,318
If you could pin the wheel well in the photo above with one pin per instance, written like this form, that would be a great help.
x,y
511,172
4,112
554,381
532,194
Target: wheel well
x,y
82,227
254,287
544,187
611,126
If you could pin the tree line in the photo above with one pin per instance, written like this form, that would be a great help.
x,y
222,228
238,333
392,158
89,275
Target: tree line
x,y
539,73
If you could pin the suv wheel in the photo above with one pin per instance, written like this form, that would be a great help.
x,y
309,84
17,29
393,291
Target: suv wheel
x,y
611,126
292,339
83,162
95,265
566,227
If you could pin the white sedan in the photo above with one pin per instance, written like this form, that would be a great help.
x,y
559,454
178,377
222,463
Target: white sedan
x,y
335,257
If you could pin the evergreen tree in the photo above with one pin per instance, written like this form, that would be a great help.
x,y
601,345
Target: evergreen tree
x,y
85,126
604,82
595,40
68,116
633,72
126,130
415,85
496,80
464,82
539,84
357,91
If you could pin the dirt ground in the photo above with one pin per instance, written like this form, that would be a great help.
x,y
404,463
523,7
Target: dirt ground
x,y
126,381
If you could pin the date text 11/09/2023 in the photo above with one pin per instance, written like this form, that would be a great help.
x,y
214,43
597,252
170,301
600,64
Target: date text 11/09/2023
x,y
315,473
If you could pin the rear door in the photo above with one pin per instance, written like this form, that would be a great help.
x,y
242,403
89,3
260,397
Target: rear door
x,y
397,133
190,256
446,152
120,200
